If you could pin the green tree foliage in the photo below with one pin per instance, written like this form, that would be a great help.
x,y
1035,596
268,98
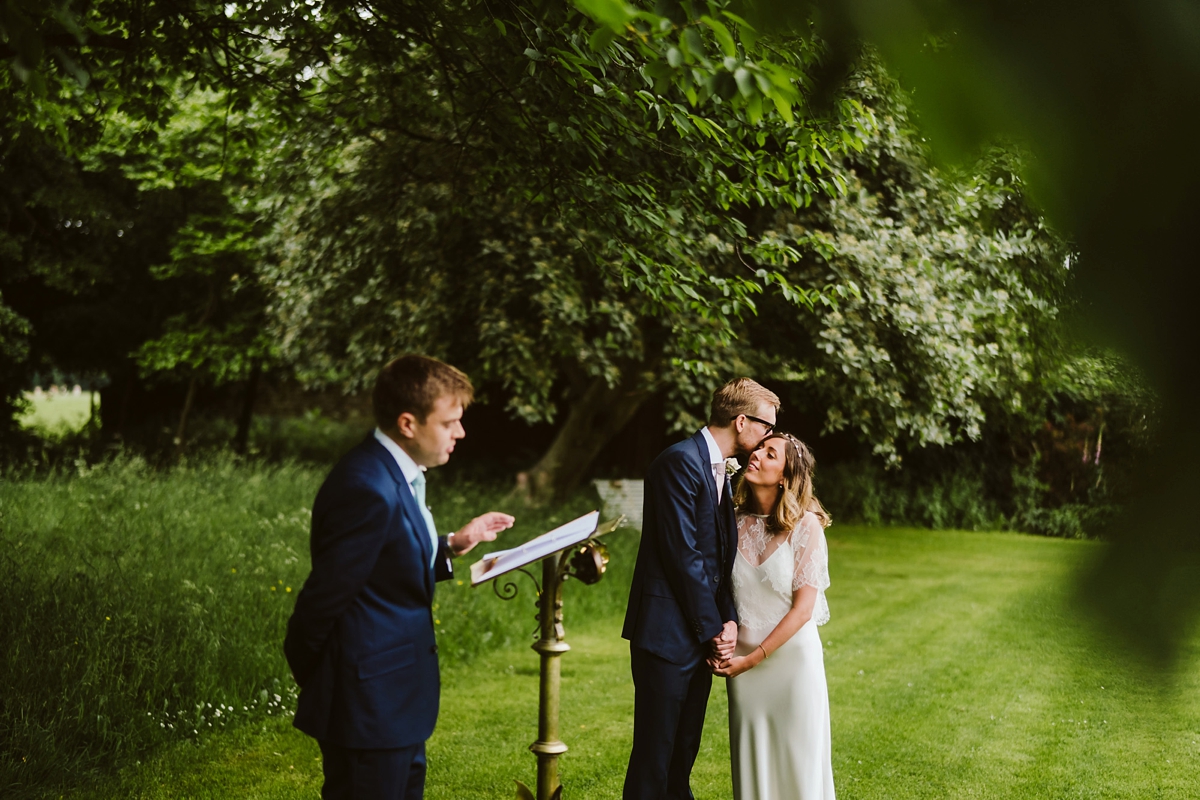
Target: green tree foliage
x,y
14,350
580,215
579,218
911,303
547,208
960,288
208,152
124,214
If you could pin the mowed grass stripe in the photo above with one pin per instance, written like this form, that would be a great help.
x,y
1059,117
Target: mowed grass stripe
x,y
1004,671
1003,675
904,655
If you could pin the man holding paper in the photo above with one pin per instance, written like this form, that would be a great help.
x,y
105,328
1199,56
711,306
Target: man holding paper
x,y
360,642
681,608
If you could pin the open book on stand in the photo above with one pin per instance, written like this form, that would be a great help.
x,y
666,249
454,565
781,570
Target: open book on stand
x,y
579,530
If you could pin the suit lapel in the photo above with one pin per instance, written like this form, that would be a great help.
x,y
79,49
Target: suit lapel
x,y
702,449
718,522
408,505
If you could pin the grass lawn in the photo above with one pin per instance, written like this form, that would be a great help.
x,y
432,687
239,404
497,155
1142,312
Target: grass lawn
x,y
59,413
957,668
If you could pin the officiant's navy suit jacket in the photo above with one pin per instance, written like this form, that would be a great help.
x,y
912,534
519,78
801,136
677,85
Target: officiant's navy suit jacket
x,y
681,597
360,642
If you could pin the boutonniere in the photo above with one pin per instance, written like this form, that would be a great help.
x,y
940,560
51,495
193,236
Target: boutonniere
x,y
731,467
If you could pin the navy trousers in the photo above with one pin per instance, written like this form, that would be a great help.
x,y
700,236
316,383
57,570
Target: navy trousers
x,y
668,718
373,774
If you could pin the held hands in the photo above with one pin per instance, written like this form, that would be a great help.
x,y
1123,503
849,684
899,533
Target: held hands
x,y
737,665
481,529
723,662
722,645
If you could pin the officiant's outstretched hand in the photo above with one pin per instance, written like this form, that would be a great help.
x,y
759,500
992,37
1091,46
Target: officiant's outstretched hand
x,y
481,529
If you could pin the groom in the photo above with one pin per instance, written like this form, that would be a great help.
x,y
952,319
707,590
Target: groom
x,y
360,642
681,605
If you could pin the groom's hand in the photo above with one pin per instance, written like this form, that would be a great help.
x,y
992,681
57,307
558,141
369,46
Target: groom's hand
x,y
481,529
724,643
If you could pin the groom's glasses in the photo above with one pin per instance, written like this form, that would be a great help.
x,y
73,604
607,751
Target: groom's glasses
x,y
770,426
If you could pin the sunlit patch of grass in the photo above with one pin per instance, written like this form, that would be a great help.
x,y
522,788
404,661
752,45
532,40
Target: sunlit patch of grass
x,y
60,413
958,665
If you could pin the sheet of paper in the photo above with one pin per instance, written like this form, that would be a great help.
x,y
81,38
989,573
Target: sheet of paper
x,y
502,561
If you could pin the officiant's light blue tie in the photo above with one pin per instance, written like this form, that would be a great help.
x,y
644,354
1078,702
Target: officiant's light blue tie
x,y
418,484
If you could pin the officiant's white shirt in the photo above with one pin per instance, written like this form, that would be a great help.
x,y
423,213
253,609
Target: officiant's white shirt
x,y
718,461
410,470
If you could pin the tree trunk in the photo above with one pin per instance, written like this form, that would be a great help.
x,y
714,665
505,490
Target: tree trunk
x,y
183,418
191,392
241,439
595,417
114,413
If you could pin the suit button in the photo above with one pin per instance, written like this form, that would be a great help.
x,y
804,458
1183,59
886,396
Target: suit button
x,y
433,649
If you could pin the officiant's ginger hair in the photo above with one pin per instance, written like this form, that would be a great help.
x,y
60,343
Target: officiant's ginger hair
x,y
414,383
739,396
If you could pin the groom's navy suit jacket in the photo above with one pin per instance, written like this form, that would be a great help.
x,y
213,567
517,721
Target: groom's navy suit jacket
x,y
681,597
360,642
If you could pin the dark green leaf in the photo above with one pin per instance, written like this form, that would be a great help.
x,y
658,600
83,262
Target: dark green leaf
x,y
722,34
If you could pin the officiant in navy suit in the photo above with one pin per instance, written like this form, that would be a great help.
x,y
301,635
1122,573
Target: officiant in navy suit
x,y
681,609
360,641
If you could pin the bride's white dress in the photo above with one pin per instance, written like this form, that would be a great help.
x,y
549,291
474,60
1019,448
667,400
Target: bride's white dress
x,y
779,710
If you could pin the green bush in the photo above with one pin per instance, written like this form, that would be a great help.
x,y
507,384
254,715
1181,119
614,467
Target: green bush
x,y
1033,513
863,491
957,493
311,437
140,606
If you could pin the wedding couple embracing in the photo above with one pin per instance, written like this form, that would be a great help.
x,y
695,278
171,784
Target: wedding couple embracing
x,y
730,580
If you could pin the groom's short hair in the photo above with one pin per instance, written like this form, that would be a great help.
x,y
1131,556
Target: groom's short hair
x,y
739,396
414,383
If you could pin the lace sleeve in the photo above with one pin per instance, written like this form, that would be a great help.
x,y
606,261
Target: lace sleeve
x,y
811,553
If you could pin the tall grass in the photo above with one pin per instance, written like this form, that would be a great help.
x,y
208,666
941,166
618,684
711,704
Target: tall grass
x,y
957,493
140,606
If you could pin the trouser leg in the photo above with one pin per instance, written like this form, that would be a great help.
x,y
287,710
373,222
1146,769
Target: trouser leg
x,y
335,762
687,734
661,692
415,788
394,774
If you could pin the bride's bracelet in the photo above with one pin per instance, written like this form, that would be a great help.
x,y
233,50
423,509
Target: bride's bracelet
x,y
765,656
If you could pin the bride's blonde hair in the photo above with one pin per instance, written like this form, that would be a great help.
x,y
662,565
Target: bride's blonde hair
x,y
796,496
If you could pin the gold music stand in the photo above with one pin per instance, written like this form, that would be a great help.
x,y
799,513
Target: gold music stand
x,y
569,551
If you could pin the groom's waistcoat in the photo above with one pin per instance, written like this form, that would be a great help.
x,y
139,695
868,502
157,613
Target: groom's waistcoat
x,y
681,597
360,642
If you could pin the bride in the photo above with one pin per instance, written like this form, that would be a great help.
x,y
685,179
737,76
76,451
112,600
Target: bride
x,y
778,702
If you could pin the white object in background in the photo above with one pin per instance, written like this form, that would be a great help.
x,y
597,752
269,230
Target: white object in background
x,y
622,497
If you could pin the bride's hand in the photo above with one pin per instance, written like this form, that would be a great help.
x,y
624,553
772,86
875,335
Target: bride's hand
x,y
735,666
